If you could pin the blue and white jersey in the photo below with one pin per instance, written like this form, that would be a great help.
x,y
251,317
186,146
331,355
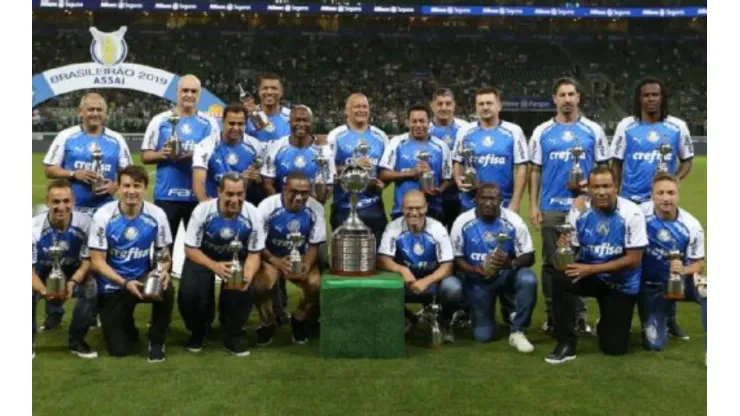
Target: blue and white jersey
x,y
422,253
684,234
211,232
73,240
72,150
473,239
342,141
128,242
448,135
283,159
606,237
495,153
174,180
400,155
550,147
636,144
279,222
220,158
280,127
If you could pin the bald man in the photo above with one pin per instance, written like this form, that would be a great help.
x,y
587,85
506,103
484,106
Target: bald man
x,y
70,157
173,191
419,249
343,141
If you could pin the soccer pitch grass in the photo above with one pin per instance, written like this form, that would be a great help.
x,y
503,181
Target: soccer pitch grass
x,y
464,378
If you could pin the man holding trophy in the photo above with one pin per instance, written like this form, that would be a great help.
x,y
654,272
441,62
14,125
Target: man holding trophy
x,y
294,224
121,238
269,121
61,262
299,152
364,144
235,152
225,238
563,150
609,237
89,156
169,142
416,160
445,125
491,150
493,247
673,261
647,143
419,249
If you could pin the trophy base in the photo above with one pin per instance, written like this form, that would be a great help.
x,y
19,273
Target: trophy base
x,y
353,274
674,296
232,286
152,298
55,296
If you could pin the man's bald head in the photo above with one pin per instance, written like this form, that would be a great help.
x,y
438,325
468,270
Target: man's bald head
x,y
414,209
93,96
188,92
414,196
357,109
300,108
93,111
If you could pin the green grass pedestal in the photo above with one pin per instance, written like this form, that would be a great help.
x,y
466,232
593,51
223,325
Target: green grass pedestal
x,y
362,316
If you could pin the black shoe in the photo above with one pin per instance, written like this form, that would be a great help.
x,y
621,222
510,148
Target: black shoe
x,y
562,353
195,343
299,331
264,335
156,353
82,350
582,328
675,331
237,348
52,322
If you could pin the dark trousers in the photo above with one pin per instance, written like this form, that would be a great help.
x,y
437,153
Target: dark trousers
x,y
176,212
550,220
373,216
451,210
195,298
119,328
615,308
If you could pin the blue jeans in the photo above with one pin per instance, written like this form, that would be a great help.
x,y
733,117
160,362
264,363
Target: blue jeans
x,y
84,312
481,295
449,290
655,310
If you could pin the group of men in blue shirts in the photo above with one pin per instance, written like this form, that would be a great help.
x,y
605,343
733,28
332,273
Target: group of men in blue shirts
x,y
255,183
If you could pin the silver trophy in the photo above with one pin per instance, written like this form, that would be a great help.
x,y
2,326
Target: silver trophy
x,y
470,176
236,270
261,121
576,177
353,244
153,282
320,186
426,179
360,152
665,150
296,261
259,160
429,315
674,287
174,143
56,281
488,266
97,167
565,255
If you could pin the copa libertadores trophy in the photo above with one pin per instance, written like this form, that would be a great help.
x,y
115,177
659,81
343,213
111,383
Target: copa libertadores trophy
x,y
488,266
564,255
56,282
665,151
320,186
174,143
97,167
236,270
426,179
576,178
353,244
153,282
674,287
470,177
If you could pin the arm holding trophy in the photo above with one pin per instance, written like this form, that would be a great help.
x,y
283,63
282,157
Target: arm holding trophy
x,y
521,160
149,153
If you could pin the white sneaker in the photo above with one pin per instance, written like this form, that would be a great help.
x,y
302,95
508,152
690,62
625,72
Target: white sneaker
x,y
520,342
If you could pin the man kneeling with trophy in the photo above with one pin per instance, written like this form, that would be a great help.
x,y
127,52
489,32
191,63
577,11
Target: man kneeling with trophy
x,y
294,227
225,237
494,249
419,249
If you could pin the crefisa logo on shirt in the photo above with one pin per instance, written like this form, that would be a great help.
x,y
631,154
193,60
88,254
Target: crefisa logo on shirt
x,y
108,48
